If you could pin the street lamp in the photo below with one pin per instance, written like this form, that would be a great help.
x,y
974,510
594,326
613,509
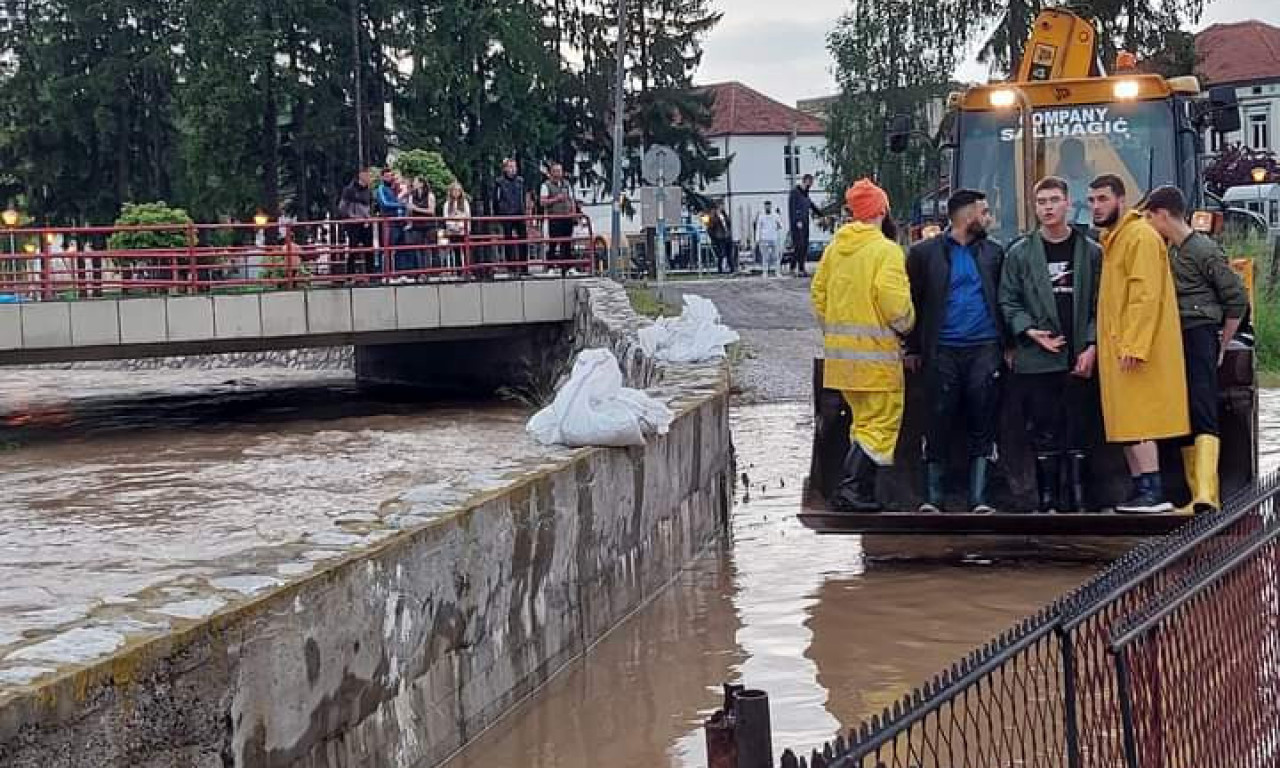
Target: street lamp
x,y
261,219
10,219
1259,175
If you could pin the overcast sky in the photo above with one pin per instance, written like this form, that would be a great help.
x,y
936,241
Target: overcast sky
x,y
779,46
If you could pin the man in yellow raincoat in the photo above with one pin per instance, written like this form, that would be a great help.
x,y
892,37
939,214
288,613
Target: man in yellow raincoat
x,y
862,298
1140,362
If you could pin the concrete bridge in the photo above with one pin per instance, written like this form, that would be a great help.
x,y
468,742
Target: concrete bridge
x,y
475,330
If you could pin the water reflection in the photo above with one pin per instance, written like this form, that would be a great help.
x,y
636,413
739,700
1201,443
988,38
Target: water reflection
x,y
830,638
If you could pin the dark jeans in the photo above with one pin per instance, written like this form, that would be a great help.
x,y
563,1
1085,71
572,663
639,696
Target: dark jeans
x,y
799,249
1061,410
561,233
359,236
1200,352
726,256
964,380
516,255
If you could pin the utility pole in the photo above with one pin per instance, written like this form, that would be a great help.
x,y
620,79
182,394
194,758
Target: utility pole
x,y
355,54
619,104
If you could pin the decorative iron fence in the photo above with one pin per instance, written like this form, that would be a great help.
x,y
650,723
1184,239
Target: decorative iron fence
x,y
1169,658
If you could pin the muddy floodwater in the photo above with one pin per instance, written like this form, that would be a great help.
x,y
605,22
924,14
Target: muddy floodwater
x,y
135,501
832,639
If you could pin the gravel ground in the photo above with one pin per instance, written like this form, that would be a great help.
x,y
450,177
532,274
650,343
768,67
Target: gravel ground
x,y
778,330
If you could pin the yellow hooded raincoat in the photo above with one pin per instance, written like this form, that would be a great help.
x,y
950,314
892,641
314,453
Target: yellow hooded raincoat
x,y
1138,317
862,298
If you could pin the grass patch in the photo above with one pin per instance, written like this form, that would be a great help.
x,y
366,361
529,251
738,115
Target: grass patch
x,y
645,302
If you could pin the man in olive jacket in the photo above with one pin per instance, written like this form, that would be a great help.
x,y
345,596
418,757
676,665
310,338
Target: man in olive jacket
x,y
1212,302
1049,299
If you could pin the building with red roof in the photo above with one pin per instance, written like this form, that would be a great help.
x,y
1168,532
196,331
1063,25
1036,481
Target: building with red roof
x,y
772,146
1246,56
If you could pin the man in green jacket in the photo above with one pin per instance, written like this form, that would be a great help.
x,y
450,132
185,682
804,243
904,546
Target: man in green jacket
x,y
1211,304
1049,299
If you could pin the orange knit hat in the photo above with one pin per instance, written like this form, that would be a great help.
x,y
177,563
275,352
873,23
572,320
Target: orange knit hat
x,y
866,201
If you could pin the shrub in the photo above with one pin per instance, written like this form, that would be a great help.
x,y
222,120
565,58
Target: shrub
x,y
427,164
148,215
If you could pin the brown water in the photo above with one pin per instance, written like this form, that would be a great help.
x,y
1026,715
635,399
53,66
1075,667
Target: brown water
x,y
136,501
833,639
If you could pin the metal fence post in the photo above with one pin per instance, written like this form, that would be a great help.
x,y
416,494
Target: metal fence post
x,y
753,734
1071,728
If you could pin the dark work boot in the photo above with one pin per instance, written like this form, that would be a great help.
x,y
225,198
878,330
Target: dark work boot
x,y
857,491
934,475
979,476
1077,468
1148,496
1048,468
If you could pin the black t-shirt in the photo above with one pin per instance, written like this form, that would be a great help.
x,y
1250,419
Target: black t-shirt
x,y
1061,260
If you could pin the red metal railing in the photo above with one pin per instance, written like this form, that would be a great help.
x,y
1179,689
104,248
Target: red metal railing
x,y
61,263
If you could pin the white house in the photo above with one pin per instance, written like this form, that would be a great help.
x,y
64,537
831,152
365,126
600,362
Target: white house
x,y
772,145
1245,55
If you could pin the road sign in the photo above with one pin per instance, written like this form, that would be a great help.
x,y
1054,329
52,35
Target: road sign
x,y
661,165
674,204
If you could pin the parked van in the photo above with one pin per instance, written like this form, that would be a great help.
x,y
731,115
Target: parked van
x,y
1261,199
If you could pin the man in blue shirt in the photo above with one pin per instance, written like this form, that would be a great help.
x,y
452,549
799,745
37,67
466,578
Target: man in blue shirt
x,y
957,343
390,207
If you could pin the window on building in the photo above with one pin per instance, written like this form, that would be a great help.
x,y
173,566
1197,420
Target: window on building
x,y
791,160
713,152
1260,128
1214,141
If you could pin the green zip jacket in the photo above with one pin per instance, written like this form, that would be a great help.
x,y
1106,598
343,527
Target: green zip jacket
x,y
1209,291
1027,302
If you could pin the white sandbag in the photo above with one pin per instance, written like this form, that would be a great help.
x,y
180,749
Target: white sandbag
x,y
693,337
593,408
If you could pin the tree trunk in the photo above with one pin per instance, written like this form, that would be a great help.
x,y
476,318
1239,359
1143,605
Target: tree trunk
x,y
270,127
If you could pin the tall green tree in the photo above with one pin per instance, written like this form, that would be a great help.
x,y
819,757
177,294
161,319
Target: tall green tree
x,y
89,111
886,65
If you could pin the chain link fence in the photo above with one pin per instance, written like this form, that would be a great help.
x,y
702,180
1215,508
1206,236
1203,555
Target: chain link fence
x,y
1169,658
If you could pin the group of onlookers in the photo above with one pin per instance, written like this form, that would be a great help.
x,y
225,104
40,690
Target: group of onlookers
x,y
1132,329
423,233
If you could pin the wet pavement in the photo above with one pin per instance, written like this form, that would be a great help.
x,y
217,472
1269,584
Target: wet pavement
x,y
135,501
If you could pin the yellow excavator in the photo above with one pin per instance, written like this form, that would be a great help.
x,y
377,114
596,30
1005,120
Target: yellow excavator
x,y
1064,115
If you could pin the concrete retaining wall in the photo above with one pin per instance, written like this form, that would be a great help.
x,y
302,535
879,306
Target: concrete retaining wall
x,y
398,655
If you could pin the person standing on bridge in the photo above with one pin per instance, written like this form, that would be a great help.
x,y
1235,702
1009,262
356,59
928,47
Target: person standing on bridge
x,y
559,205
355,205
958,343
1049,300
1140,361
1212,302
862,299
799,209
510,201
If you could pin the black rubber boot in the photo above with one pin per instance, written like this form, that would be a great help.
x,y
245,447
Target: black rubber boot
x,y
1148,497
979,476
1077,468
1048,469
934,475
856,493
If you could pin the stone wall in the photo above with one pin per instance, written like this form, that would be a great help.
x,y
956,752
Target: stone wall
x,y
400,654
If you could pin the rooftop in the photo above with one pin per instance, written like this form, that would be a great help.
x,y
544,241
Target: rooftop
x,y
1245,51
742,111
